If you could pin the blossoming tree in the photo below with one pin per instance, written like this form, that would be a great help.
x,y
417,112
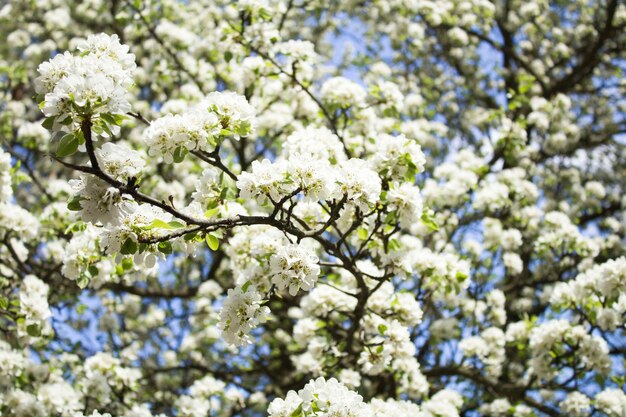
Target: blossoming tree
x,y
312,208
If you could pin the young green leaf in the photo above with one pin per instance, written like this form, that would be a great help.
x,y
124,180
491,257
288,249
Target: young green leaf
x,y
179,154
212,241
74,204
68,145
165,247
429,221
33,330
211,212
129,247
49,122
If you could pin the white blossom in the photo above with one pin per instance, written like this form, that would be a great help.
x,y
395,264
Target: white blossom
x,y
242,311
294,267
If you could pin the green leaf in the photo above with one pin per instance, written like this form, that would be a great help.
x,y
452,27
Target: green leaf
x,y
212,241
314,407
265,14
246,285
112,119
157,223
4,303
244,128
165,247
382,328
129,247
82,282
68,145
228,55
74,204
179,154
394,245
391,218
225,194
127,264
49,122
298,411
81,138
211,212
429,221
362,233
93,270
33,330
105,128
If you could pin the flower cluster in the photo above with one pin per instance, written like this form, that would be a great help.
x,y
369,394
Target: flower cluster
x,y
600,291
103,374
555,338
318,180
5,177
397,157
452,180
328,397
172,136
34,303
294,267
235,115
243,310
488,347
406,201
559,235
323,398
612,402
120,162
343,93
18,220
316,143
554,119
91,83
202,127
100,202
